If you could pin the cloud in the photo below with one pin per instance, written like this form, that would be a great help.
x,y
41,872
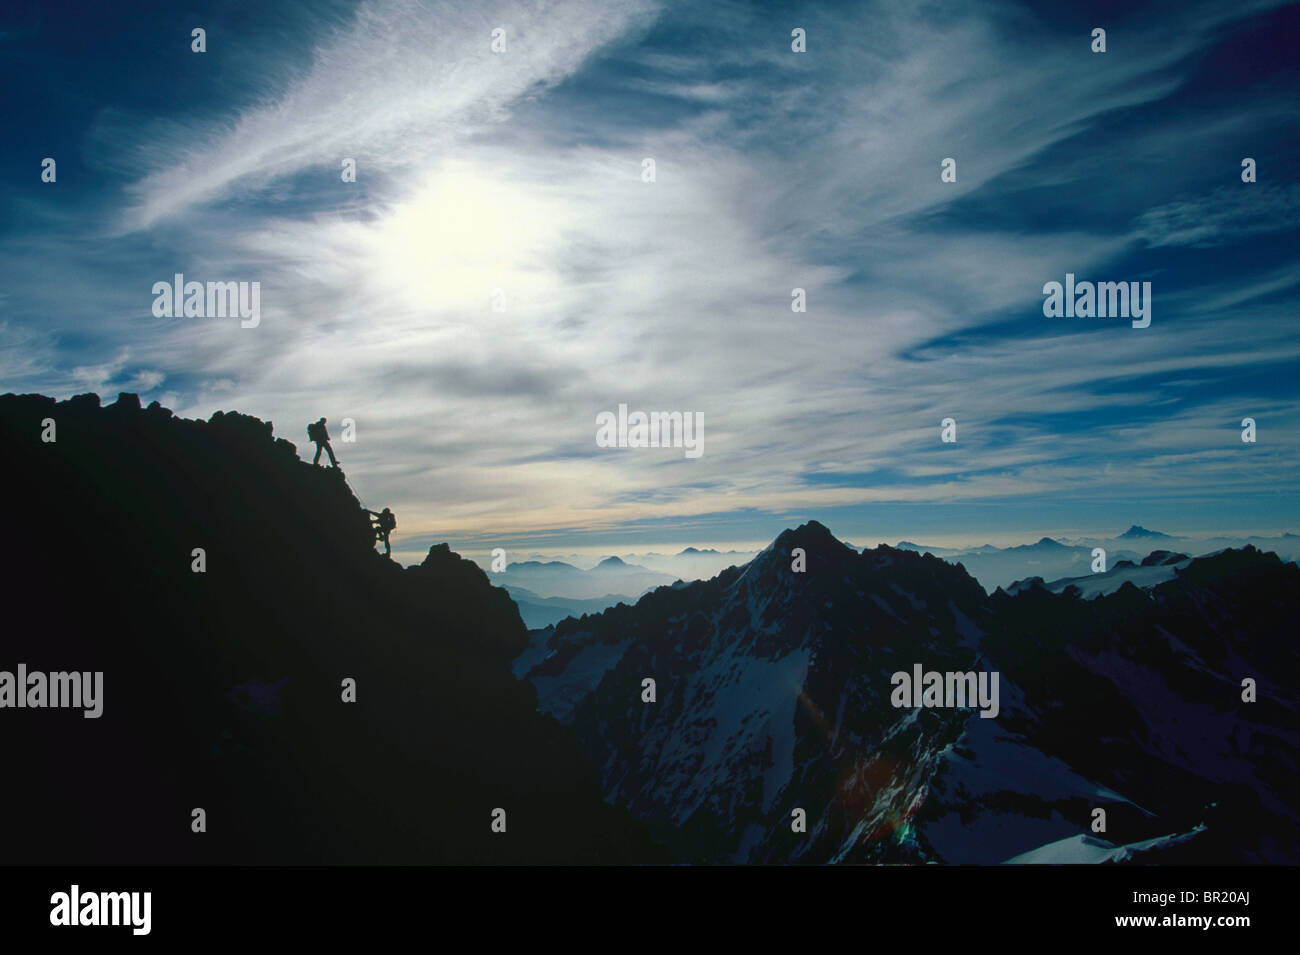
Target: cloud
x,y
774,171
401,80
1223,217
675,296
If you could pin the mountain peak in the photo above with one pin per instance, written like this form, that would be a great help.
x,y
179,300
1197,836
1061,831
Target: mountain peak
x,y
813,533
1138,531
534,564
613,562
814,538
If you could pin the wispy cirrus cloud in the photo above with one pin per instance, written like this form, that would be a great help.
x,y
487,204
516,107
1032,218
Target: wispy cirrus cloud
x,y
400,80
1223,217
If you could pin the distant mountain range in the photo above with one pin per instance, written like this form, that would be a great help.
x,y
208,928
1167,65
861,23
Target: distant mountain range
x,y
690,563
538,611
1048,558
693,563
612,576
773,695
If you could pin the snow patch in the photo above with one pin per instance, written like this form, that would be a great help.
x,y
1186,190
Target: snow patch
x,y
1085,849
560,695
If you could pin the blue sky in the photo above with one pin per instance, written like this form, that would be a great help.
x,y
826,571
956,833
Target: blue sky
x,y
521,170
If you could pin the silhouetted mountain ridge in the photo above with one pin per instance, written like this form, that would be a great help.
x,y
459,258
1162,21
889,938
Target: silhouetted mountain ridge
x,y
294,600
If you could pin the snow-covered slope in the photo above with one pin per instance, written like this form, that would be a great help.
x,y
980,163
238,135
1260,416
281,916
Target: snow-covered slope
x,y
1089,850
772,694
1156,568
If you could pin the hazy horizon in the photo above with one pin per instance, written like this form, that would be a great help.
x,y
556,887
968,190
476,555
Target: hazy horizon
x,y
587,557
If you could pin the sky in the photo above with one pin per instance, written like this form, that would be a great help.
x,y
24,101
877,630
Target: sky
x,y
522,170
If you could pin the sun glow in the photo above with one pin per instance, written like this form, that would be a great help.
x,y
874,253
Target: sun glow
x,y
463,234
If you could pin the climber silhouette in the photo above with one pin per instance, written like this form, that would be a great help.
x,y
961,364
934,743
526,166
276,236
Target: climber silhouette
x,y
316,432
385,522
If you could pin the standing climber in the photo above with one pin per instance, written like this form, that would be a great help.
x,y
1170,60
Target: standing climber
x,y
385,522
316,432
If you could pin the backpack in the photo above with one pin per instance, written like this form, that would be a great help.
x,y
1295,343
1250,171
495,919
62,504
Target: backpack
x,y
313,432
